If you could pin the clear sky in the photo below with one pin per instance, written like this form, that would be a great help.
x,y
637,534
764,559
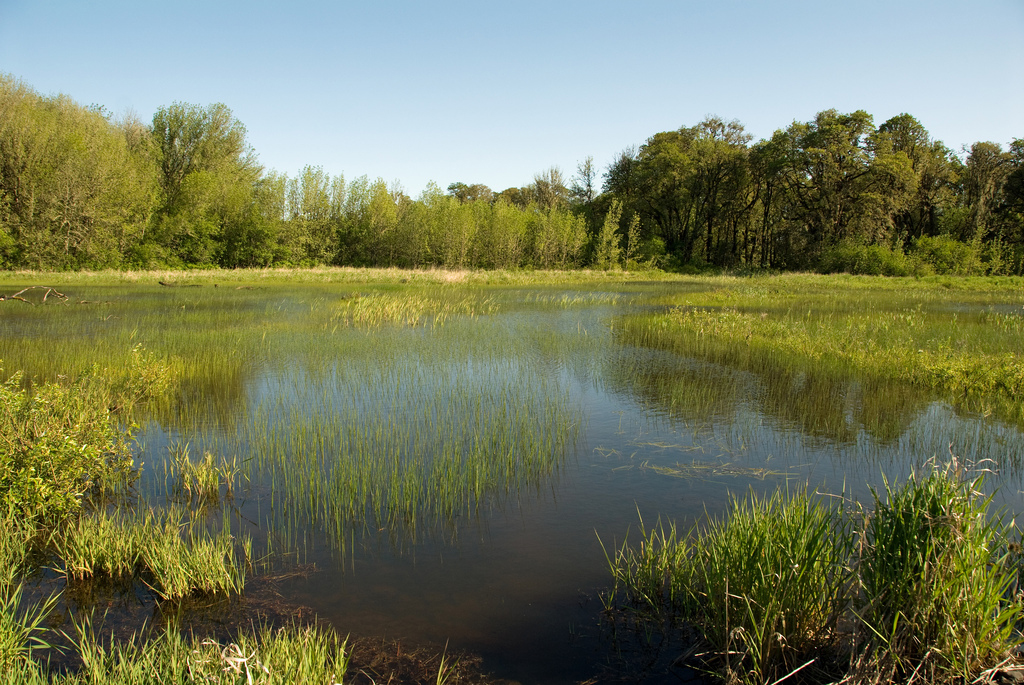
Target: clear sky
x,y
489,92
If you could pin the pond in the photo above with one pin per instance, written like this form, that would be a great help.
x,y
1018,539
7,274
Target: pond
x,y
455,463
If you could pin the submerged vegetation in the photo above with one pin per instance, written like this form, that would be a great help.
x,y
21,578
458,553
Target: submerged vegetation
x,y
920,586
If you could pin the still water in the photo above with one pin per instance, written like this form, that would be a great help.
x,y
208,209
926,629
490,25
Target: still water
x,y
592,435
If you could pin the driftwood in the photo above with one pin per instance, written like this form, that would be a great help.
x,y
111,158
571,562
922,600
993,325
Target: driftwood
x,y
47,292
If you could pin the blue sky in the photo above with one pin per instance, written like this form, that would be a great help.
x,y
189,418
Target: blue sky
x,y
493,93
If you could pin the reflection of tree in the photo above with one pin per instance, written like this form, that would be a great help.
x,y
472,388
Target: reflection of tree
x,y
819,404
837,408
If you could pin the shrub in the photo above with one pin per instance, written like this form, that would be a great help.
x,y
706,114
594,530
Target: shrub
x,y
62,440
947,256
857,258
59,443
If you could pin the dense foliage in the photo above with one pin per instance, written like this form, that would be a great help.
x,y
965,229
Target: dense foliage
x,y
80,188
61,441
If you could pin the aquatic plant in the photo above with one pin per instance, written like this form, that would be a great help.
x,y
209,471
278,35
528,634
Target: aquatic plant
x,y
174,556
922,587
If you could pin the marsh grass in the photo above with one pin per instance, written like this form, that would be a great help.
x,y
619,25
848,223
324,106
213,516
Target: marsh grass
x,y
964,343
175,557
203,481
937,580
22,628
331,275
431,308
22,624
920,588
265,656
397,451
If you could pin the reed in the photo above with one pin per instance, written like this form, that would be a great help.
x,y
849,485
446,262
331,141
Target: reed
x,y
203,481
264,656
176,558
923,587
937,578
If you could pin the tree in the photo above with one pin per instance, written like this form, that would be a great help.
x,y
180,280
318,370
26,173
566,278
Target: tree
x,y
934,175
607,250
207,173
74,193
843,181
471,193
987,169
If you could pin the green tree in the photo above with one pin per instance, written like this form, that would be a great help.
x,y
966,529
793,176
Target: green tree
x,y
934,175
842,181
207,176
471,193
74,192
607,250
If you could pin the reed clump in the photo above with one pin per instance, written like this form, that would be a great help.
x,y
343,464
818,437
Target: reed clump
x,y
175,557
204,480
920,587
408,309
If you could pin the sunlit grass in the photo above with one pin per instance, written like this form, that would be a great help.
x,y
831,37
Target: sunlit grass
x,y
919,586
966,344
266,657
175,556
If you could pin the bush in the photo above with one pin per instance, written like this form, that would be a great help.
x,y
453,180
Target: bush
x,y
60,441
947,256
871,260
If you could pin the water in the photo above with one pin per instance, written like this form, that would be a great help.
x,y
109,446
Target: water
x,y
515,575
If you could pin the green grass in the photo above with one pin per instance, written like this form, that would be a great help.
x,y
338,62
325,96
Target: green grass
x,y
936,578
965,343
204,481
265,657
353,401
175,557
921,587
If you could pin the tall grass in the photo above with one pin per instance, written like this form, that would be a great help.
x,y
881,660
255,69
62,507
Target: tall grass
x,y
919,588
22,625
936,578
265,657
176,558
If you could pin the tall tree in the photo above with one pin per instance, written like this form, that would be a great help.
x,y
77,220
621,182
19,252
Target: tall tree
x,y
207,175
934,175
841,182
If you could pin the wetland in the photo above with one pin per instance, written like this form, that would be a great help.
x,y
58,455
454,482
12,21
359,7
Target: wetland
x,y
451,460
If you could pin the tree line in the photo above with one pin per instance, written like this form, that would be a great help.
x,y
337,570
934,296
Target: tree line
x,y
81,188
